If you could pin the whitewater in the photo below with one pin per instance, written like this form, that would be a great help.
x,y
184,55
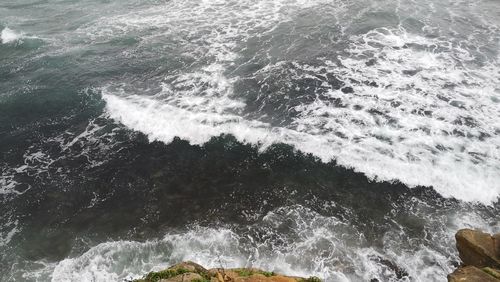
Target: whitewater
x,y
415,107
348,140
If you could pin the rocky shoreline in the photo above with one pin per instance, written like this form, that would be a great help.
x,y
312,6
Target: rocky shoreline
x,y
192,272
479,252
480,255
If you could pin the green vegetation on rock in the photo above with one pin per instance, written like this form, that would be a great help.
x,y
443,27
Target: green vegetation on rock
x,y
267,273
244,272
311,279
492,272
201,280
192,272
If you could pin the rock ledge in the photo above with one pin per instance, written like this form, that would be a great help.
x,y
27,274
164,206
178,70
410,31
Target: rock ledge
x,y
480,255
191,272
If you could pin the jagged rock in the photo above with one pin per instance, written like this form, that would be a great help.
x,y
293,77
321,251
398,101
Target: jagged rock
x,y
477,248
233,273
480,254
263,278
470,274
182,272
219,276
254,275
186,277
192,272
399,271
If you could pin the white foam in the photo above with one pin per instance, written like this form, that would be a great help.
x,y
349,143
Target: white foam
x,y
9,36
115,261
7,232
8,184
424,141
292,240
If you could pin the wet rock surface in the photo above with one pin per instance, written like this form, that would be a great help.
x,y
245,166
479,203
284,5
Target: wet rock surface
x,y
477,248
480,255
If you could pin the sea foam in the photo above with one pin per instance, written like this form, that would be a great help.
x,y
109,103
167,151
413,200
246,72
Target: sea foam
x,y
327,247
416,108
9,36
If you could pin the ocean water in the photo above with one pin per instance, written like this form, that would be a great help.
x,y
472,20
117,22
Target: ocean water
x,y
348,140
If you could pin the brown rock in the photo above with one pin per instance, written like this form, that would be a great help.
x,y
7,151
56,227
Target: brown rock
x,y
213,271
279,278
247,275
477,248
186,277
192,271
219,277
230,274
251,278
470,274
263,278
496,240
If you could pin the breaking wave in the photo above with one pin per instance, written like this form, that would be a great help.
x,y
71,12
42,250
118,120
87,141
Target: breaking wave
x,y
416,106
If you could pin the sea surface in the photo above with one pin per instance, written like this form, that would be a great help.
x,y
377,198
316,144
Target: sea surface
x,y
346,139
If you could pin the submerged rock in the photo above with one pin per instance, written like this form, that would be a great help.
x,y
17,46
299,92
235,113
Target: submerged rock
x,y
400,272
191,272
480,254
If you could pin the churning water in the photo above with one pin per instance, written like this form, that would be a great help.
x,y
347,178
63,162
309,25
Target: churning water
x,y
343,139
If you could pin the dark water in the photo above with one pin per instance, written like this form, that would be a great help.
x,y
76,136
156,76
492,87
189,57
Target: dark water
x,y
343,139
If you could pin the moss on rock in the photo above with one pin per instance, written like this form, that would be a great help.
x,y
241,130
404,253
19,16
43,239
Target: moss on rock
x,y
192,272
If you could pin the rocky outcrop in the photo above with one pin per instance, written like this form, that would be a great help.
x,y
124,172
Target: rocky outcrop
x,y
192,272
477,248
479,252
470,274
480,255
